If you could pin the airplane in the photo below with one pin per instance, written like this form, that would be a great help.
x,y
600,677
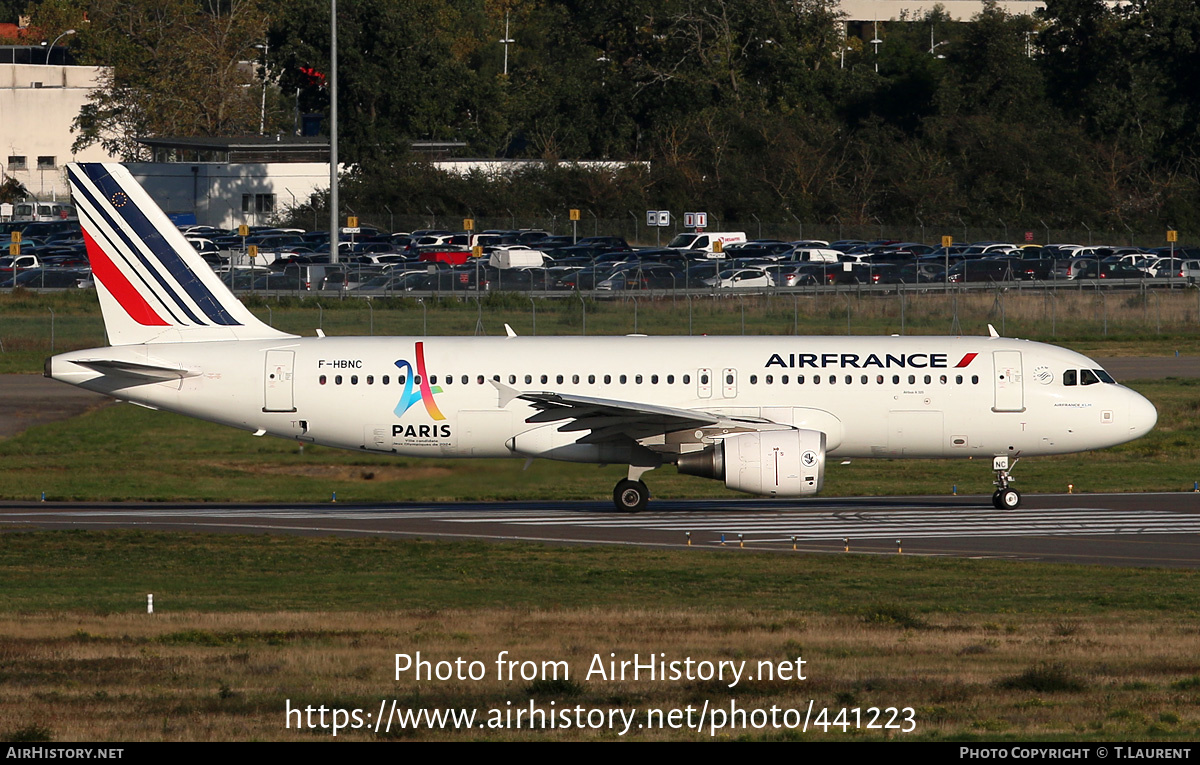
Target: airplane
x,y
761,414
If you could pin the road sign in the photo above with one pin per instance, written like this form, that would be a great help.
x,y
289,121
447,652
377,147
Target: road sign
x,y
695,220
1172,236
664,217
947,241
252,250
468,224
14,249
1028,236
574,213
243,230
16,236
351,221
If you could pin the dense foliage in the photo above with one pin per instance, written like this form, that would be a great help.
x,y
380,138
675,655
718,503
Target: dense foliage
x,y
1082,112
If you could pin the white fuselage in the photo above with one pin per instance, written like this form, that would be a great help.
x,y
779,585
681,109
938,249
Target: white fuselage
x,y
889,397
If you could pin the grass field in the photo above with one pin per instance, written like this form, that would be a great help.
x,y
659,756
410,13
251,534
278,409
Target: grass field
x,y
981,650
33,326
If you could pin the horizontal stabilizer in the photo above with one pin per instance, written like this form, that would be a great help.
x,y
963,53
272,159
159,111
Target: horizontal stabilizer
x,y
139,371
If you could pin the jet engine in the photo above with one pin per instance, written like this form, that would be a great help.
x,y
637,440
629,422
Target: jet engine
x,y
777,463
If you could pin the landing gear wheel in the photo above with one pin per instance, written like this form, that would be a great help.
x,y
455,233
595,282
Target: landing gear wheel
x,y
1006,499
631,496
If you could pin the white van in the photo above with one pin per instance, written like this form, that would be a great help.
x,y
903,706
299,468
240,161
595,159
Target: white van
x,y
40,211
516,259
706,240
815,255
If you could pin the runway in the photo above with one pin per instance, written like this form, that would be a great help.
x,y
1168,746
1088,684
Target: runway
x,y
1103,529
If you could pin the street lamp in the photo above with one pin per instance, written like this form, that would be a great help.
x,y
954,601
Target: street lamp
x,y
262,114
56,39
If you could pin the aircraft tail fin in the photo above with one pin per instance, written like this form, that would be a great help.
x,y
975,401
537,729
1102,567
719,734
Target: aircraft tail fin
x,y
153,286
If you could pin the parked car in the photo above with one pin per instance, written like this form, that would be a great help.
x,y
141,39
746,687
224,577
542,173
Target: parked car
x,y
1076,268
651,276
741,278
985,270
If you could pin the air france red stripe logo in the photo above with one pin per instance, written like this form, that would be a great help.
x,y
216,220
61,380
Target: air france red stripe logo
x,y
107,273
966,360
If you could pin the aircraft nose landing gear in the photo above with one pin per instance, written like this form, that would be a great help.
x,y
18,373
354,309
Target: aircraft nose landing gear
x,y
1004,498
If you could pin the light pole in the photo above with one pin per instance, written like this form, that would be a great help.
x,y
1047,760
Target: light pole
x,y
262,113
876,41
506,42
56,39
333,136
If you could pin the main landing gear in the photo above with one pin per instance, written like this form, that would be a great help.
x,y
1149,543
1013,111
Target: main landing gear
x,y
631,496
1004,498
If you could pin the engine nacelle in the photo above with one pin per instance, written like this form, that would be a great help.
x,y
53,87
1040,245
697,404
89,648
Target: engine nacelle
x,y
777,463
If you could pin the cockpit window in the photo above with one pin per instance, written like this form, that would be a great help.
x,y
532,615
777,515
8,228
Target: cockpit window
x,y
1104,376
1088,377
1069,377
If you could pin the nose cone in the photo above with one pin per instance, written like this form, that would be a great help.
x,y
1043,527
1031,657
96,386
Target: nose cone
x,y
1142,416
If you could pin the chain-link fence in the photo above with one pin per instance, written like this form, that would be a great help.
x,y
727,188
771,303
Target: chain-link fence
x,y
785,228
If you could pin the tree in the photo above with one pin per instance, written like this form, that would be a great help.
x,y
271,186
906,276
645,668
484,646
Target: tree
x,y
401,70
173,68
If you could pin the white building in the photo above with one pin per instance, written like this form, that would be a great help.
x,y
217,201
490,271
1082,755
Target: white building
x,y
958,10
38,105
227,195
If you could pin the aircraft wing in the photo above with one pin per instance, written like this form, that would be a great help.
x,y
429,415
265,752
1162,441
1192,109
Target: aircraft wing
x,y
612,419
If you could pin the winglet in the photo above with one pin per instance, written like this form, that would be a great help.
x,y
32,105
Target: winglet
x,y
992,331
509,331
